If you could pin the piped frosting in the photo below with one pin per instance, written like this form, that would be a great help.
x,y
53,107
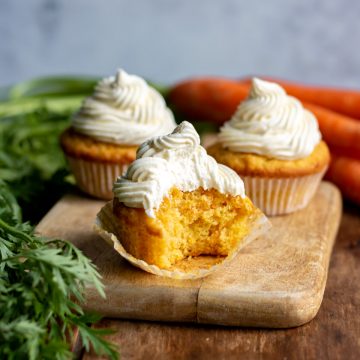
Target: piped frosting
x,y
124,109
271,123
174,160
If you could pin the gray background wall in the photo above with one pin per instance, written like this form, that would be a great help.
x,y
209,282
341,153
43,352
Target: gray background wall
x,y
167,40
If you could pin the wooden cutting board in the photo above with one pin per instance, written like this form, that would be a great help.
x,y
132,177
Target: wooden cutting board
x,y
276,281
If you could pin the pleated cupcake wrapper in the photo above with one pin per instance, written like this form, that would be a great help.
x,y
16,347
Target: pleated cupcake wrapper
x,y
106,226
278,196
96,178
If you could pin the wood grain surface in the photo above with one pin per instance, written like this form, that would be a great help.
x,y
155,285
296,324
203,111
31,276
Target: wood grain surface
x,y
276,281
333,334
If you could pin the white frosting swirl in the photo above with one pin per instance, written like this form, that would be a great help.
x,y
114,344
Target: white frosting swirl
x,y
124,110
271,123
175,160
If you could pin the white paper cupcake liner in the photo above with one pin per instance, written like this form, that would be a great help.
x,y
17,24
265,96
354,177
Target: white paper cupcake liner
x,y
96,178
106,226
278,196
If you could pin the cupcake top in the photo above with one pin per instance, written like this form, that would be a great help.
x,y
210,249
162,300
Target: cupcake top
x,y
123,110
174,160
272,124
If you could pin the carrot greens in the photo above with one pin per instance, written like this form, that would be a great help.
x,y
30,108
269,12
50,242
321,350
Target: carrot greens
x,y
42,281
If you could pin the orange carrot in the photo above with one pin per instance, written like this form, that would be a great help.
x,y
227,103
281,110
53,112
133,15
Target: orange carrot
x,y
216,99
337,130
207,99
345,151
345,173
344,101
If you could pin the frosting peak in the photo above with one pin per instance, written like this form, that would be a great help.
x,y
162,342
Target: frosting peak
x,y
177,160
271,123
264,88
124,109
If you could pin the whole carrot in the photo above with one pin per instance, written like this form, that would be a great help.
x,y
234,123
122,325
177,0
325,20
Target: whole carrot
x,y
345,173
344,101
207,99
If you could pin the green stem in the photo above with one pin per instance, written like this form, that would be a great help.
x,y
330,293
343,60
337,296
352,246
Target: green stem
x,y
15,232
28,105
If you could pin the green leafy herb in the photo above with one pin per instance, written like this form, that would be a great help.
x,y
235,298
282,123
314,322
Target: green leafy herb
x,y
42,281
31,161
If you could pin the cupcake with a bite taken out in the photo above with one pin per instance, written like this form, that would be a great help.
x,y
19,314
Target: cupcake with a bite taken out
x,y
275,145
177,212
123,112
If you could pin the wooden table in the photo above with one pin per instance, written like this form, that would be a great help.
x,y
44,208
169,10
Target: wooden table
x,y
333,334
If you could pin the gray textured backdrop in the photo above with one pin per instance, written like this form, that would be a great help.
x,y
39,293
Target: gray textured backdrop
x,y
167,40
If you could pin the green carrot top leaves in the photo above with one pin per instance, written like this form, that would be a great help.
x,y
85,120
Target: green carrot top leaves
x,y
42,281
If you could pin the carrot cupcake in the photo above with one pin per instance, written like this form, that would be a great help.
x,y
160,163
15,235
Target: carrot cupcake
x,y
176,203
275,145
122,113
